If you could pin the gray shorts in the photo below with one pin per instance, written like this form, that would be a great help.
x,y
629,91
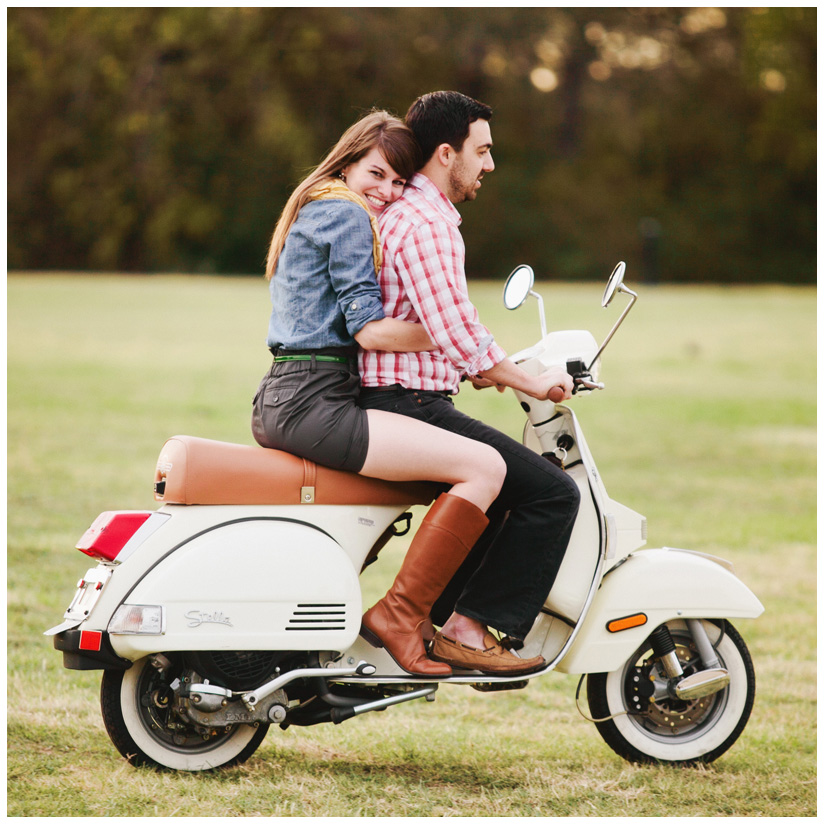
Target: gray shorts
x,y
311,410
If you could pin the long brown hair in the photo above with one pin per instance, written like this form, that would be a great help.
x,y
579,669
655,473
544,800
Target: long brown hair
x,y
379,130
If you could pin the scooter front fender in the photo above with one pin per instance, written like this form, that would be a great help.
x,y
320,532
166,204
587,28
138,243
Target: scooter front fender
x,y
659,584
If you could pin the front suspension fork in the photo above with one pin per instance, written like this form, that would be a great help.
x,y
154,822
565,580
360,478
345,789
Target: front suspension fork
x,y
710,679
664,650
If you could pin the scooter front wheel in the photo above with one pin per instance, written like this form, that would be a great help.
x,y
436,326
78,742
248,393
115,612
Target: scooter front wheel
x,y
147,733
667,729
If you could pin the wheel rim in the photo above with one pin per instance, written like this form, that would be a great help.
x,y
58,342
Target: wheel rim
x,y
640,732
670,720
153,702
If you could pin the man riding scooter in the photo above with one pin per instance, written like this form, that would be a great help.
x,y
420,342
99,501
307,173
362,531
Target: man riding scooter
x,y
506,578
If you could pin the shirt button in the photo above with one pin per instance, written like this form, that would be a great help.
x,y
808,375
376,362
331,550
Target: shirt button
x,y
353,306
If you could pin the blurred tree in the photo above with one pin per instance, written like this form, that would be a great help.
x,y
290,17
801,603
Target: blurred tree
x,y
150,139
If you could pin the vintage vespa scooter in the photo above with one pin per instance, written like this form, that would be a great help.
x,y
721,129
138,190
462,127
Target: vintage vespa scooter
x,y
236,605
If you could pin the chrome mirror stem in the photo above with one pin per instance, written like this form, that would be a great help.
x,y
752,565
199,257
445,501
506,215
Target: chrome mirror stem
x,y
633,297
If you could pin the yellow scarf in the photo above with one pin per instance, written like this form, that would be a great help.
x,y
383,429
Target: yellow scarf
x,y
339,191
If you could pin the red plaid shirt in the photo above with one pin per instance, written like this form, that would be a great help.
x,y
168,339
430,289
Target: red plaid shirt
x,y
422,279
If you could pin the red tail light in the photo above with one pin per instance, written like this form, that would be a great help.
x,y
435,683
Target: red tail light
x,y
109,533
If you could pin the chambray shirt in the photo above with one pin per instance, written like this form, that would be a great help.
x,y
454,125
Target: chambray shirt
x,y
324,289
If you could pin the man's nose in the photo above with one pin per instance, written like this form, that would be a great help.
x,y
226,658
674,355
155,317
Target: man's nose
x,y
488,163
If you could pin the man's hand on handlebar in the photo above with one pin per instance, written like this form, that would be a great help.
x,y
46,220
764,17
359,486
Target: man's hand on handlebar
x,y
556,384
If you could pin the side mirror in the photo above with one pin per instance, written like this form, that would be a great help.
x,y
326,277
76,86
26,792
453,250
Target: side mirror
x,y
518,285
614,283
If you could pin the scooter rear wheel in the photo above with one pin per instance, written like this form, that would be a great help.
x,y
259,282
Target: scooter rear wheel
x,y
147,734
670,730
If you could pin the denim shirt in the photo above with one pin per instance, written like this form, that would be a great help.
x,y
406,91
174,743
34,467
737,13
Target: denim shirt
x,y
324,289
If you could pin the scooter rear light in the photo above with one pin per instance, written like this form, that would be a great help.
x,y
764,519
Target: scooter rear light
x,y
110,532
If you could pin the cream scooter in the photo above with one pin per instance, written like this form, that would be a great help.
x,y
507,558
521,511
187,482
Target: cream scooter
x,y
237,604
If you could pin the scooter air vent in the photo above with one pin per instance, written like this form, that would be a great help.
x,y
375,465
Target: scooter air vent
x,y
318,617
236,670
245,668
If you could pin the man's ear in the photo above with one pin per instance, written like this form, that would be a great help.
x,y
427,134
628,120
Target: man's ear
x,y
444,154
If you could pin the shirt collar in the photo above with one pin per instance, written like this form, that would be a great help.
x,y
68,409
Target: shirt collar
x,y
435,196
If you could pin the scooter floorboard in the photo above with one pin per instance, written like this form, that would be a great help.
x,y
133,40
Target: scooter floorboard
x,y
388,671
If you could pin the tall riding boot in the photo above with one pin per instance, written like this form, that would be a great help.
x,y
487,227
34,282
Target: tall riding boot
x,y
447,533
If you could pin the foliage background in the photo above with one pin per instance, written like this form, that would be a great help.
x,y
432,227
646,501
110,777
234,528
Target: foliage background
x,y
167,139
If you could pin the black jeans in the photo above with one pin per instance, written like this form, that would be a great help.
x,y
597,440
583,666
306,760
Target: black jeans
x,y
507,576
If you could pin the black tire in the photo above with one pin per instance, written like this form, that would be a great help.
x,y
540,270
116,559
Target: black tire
x,y
674,731
137,726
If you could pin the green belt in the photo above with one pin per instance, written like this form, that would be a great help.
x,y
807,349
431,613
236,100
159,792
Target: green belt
x,y
338,359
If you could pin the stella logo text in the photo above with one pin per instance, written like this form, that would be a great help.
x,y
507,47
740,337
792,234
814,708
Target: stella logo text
x,y
198,617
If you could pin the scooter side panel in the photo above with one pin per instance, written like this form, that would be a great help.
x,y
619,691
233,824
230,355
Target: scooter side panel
x,y
258,585
575,575
663,584
354,529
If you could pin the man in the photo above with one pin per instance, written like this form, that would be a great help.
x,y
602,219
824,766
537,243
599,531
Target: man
x,y
505,580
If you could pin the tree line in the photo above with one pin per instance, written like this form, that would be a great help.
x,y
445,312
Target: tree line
x,y
168,139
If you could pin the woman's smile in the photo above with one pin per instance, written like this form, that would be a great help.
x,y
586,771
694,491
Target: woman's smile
x,y
374,180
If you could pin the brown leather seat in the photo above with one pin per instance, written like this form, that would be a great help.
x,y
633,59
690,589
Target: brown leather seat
x,y
194,470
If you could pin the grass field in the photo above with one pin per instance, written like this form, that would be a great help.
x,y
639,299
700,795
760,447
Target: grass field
x,y
707,426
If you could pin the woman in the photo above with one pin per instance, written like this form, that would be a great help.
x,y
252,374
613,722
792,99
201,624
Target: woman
x,y
322,265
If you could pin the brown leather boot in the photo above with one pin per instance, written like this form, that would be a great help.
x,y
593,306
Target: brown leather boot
x,y
447,534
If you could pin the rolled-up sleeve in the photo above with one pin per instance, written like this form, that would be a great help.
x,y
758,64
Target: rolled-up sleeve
x,y
430,264
349,241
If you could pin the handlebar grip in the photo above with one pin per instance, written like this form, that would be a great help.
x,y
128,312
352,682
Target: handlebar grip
x,y
556,394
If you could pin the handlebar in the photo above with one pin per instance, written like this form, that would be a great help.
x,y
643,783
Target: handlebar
x,y
589,385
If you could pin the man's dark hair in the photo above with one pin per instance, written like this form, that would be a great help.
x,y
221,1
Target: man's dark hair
x,y
444,117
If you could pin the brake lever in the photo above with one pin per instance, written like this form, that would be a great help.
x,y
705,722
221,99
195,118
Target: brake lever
x,y
588,384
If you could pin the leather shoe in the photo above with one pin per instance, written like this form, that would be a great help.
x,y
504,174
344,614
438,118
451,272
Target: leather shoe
x,y
493,660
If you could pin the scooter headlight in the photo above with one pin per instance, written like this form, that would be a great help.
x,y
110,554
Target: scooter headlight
x,y
134,619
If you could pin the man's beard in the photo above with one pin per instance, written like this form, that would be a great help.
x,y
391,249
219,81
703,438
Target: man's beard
x,y
460,188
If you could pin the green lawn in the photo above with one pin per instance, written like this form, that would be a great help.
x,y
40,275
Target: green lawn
x,y
707,426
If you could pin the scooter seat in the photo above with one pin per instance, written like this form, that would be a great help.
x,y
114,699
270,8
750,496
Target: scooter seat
x,y
194,470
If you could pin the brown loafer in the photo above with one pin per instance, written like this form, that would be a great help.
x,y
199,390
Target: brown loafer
x,y
493,660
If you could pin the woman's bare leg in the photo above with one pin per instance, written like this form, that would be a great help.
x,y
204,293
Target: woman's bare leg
x,y
404,449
